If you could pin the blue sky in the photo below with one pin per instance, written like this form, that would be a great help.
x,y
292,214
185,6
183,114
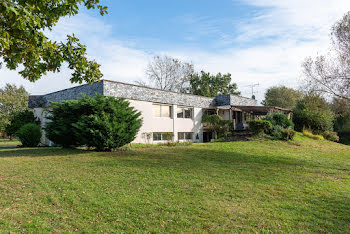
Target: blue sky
x,y
257,41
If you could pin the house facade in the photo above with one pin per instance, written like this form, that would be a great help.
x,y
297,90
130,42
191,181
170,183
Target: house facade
x,y
163,112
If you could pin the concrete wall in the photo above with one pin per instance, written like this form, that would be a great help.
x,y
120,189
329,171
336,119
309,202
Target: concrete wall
x,y
166,124
41,114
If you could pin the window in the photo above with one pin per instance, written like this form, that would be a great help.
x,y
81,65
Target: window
x,y
157,136
185,135
184,112
180,113
163,136
161,110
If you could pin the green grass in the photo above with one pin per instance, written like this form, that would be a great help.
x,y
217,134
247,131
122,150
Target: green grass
x,y
254,186
6,141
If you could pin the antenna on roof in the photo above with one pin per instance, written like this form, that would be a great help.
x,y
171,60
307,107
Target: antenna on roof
x,y
252,86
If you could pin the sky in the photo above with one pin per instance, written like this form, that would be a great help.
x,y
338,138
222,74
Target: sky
x,y
258,41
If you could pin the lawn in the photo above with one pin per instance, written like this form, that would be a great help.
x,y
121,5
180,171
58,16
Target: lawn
x,y
7,141
215,187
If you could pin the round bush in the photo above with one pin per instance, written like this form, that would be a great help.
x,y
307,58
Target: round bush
x,y
276,131
331,136
29,135
279,119
287,134
259,127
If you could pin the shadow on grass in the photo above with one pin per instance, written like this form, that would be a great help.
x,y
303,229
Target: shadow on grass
x,y
40,152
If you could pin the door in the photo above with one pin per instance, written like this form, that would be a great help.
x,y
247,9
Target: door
x,y
207,136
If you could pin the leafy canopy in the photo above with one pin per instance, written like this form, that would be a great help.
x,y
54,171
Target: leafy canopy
x,y
12,100
313,112
208,85
282,97
18,120
23,41
217,124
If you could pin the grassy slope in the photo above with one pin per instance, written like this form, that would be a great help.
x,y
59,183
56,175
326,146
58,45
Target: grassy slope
x,y
240,186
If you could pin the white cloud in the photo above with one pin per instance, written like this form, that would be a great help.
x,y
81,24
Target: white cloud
x,y
272,45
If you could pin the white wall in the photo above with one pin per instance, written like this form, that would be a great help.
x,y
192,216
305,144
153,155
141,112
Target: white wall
x,y
41,114
150,123
165,124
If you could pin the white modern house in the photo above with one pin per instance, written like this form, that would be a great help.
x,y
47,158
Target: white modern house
x,y
162,111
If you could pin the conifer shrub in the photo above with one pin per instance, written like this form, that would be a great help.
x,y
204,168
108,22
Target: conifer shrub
x,y
29,135
103,123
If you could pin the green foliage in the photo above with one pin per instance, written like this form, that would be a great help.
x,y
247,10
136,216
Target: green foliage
x,y
217,124
282,97
287,134
60,130
23,42
313,112
331,136
12,100
276,131
259,127
29,135
308,133
19,119
105,123
279,119
169,136
341,108
208,85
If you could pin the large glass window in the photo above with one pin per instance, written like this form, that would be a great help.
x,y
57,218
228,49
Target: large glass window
x,y
184,112
157,136
185,135
161,110
162,136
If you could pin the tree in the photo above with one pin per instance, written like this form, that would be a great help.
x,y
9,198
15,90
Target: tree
x,y
313,112
19,119
330,74
341,108
282,97
208,85
217,124
12,100
168,73
105,123
23,42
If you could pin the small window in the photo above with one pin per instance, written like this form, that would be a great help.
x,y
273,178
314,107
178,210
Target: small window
x,y
184,112
188,113
181,135
185,135
180,113
156,110
161,110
